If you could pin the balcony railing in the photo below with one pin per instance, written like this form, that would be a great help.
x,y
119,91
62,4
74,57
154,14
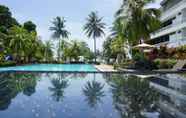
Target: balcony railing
x,y
171,9
169,26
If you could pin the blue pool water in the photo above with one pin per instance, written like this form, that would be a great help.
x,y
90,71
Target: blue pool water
x,y
91,95
53,67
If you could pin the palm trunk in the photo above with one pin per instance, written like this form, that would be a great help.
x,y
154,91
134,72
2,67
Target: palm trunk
x,y
59,51
95,49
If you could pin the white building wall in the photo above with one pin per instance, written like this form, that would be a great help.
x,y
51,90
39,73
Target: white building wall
x,y
170,12
177,30
184,14
184,33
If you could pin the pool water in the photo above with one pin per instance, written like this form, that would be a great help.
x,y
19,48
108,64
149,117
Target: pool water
x,y
93,95
53,68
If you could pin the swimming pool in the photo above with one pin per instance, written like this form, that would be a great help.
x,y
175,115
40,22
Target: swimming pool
x,y
52,68
91,95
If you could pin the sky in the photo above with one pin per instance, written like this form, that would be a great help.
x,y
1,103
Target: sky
x,y
42,12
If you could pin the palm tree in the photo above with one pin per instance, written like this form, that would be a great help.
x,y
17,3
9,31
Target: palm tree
x,y
94,28
137,20
93,92
19,41
59,31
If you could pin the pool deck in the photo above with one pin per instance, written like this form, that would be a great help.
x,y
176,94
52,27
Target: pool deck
x,y
105,68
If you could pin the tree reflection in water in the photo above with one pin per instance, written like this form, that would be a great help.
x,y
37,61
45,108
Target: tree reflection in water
x,y
78,75
132,96
13,83
93,92
59,84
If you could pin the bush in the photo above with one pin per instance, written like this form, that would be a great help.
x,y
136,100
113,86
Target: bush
x,y
144,64
180,52
7,63
162,52
165,63
125,64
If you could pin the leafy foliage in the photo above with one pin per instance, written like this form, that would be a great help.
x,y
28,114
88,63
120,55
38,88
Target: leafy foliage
x,y
29,26
74,49
165,63
21,42
137,20
7,20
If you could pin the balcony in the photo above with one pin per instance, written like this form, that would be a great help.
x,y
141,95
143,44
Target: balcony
x,y
169,29
172,11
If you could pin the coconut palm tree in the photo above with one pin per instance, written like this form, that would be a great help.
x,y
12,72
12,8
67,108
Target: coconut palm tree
x,y
59,31
94,28
138,21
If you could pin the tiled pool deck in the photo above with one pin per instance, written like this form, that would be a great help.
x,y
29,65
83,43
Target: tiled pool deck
x,y
105,68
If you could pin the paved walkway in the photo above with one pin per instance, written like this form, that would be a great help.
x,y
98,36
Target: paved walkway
x,y
105,68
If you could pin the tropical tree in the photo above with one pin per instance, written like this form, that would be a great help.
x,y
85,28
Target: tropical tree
x,y
59,31
29,26
94,28
74,49
94,92
48,53
32,44
39,54
19,41
107,50
138,21
7,20
24,45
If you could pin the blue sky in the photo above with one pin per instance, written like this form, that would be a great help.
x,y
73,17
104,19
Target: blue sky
x,y
41,12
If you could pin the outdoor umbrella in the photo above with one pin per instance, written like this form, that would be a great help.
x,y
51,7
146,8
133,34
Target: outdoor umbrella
x,y
144,46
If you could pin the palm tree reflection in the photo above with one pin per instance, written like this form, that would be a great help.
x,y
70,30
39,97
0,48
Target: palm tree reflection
x,y
59,86
94,92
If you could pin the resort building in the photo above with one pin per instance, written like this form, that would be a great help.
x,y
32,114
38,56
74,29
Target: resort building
x,y
173,29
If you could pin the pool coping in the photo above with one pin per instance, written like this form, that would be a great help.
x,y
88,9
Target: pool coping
x,y
98,70
50,71
112,72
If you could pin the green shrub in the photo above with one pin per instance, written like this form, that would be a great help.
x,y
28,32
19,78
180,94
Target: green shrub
x,y
7,63
124,64
144,64
165,63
